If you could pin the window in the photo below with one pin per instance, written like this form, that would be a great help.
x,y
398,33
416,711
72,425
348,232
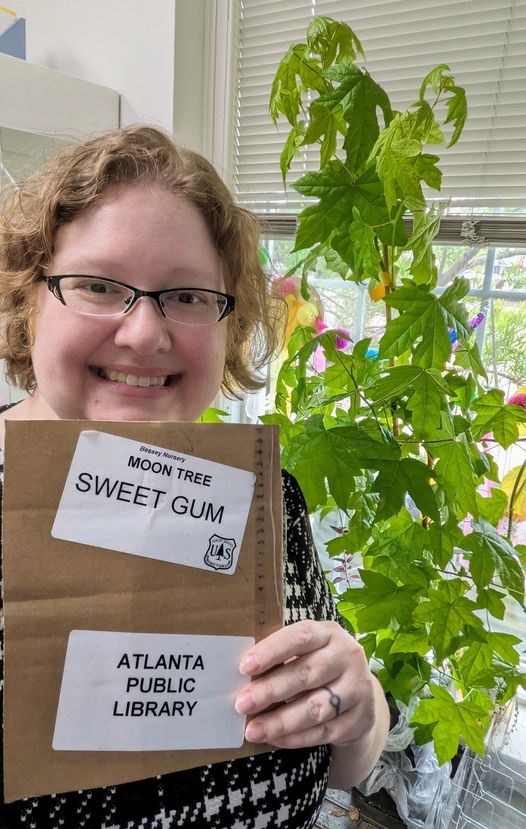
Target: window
x,y
483,41
483,234
498,279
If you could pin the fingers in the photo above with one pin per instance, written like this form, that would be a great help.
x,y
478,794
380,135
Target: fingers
x,y
305,712
330,731
288,682
323,661
286,643
312,685
330,714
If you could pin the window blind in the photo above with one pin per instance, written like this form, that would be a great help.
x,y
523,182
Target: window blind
x,y
484,43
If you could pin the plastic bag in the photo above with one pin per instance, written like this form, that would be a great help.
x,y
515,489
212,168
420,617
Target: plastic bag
x,y
409,773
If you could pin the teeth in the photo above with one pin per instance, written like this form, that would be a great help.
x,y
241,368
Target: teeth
x,y
132,379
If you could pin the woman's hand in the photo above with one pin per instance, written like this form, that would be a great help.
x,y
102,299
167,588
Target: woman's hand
x,y
311,685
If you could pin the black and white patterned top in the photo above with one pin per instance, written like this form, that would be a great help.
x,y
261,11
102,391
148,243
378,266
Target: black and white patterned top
x,y
278,790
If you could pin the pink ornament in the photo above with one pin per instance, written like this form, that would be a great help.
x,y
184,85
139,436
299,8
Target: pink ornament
x,y
286,286
339,342
518,400
319,361
342,342
476,320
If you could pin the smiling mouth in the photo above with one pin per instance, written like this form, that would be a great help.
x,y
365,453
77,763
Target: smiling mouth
x,y
144,381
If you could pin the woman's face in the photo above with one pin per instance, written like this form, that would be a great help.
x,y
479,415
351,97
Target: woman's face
x,y
150,239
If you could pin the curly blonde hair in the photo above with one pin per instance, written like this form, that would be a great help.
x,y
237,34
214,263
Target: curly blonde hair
x,y
76,179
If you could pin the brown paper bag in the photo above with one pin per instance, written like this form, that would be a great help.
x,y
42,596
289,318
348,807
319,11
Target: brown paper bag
x,y
52,587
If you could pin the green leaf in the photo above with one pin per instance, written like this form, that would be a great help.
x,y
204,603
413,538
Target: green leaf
x,y
394,382
333,40
447,611
493,507
395,478
290,150
318,455
521,552
457,112
468,357
424,388
455,473
297,70
494,415
434,79
480,459
442,540
454,721
401,682
443,84
506,677
400,180
425,167
212,415
400,162
422,734
378,602
359,97
474,662
398,551
335,263
364,506
314,225
426,316
368,643
426,402
505,645
465,389
275,418
285,95
366,255
425,123
426,225
367,449
492,601
339,191
425,272
493,554
416,642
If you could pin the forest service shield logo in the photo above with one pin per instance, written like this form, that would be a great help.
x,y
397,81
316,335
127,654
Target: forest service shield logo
x,y
220,552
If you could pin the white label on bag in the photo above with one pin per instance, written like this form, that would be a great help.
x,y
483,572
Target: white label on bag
x,y
150,692
137,498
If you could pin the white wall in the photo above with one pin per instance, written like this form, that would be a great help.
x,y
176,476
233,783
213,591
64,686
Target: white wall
x,y
127,45
189,77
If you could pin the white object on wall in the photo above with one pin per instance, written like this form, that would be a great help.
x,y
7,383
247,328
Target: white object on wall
x,y
128,45
39,100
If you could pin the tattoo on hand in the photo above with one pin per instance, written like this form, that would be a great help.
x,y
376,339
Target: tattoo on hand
x,y
334,700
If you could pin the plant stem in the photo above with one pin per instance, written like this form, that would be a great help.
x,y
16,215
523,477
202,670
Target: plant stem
x,y
360,392
388,318
426,521
385,258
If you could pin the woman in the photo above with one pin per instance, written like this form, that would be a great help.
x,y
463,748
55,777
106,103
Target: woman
x,y
130,289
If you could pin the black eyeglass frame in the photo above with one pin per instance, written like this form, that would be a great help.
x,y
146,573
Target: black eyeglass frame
x,y
53,283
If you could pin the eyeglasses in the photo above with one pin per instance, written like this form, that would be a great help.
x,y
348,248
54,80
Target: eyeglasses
x,y
101,297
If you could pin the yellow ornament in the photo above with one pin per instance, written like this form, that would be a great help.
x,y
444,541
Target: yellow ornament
x,y
377,291
507,486
307,314
293,306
